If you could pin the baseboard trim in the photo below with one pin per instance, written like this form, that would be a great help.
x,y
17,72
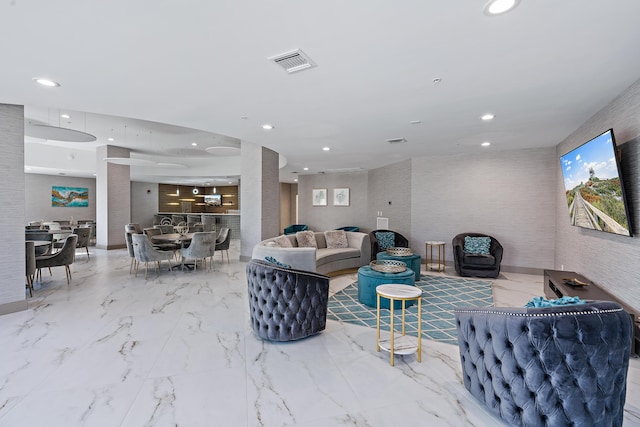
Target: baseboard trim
x,y
13,307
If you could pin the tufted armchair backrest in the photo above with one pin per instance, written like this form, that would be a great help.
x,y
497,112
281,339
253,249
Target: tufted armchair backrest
x,y
286,304
556,366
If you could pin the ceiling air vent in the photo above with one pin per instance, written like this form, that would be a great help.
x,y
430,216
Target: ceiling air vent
x,y
396,140
293,61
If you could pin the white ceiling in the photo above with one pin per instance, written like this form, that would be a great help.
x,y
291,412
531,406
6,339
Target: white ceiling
x,y
543,69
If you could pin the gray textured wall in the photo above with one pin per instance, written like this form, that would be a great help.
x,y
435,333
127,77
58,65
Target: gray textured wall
x,y
320,218
113,198
12,293
391,183
38,198
609,260
143,204
507,194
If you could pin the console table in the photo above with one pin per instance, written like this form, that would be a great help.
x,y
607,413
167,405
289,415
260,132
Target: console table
x,y
555,287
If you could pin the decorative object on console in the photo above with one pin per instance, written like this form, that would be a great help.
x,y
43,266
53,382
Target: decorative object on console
x,y
559,366
306,239
474,264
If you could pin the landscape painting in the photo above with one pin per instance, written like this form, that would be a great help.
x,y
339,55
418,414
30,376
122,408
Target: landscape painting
x,y
67,197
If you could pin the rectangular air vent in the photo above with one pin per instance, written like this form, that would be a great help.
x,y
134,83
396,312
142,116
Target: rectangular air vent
x,y
293,61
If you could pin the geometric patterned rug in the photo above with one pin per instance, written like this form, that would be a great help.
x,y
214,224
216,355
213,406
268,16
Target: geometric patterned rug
x,y
439,297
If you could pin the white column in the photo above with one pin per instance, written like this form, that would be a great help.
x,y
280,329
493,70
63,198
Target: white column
x,y
12,199
113,198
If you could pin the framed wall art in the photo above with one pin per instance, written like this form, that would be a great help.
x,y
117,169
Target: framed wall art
x,y
69,196
340,197
319,197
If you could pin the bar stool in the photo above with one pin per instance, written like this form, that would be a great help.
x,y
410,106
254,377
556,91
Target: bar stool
x,y
402,344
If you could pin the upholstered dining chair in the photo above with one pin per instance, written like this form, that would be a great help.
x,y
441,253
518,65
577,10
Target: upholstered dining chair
x,y
144,251
132,255
64,257
30,264
383,239
134,227
286,304
40,235
223,241
165,228
200,248
555,366
84,234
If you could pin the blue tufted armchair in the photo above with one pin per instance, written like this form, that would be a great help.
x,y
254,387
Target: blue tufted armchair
x,y
286,304
558,366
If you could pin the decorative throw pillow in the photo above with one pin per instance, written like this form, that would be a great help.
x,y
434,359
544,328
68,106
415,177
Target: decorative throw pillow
x,y
477,245
336,239
274,261
306,239
386,239
538,302
283,242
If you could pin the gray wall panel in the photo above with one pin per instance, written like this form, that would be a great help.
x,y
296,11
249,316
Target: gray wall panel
x,y
38,198
391,183
609,260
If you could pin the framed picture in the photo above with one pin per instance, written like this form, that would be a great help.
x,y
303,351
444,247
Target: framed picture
x,y
77,197
319,197
340,197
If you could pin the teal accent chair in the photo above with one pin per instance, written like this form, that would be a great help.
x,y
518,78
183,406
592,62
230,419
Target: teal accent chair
x,y
294,228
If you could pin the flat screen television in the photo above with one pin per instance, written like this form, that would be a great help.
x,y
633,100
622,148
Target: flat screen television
x,y
594,188
212,200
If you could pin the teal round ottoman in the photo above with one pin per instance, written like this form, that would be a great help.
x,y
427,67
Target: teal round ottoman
x,y
412,261
369,279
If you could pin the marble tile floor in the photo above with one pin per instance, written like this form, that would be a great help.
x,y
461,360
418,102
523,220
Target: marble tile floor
x,y
176,349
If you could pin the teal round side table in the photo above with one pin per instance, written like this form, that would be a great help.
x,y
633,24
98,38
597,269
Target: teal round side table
x,y
412,261
369,279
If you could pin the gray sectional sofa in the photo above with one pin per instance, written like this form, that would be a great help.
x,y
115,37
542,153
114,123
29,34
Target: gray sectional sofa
x,y
322,260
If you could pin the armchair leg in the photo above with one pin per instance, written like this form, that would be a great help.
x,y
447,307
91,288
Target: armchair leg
x,y
68,271
87,249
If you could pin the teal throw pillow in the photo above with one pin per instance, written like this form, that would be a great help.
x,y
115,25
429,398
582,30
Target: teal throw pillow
x,y
538,302
274,261
386,239
477,245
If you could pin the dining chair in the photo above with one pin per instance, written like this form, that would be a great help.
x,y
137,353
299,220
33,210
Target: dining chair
x,y
132,226
199,249
164,228
222,242
132,255
84,234
145,252
40,235
64,257
30,264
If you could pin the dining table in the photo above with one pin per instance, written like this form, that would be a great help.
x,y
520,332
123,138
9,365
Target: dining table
x,y
172,238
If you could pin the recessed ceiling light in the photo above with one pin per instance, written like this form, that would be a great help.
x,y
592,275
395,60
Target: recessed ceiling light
x,y
486,144
488,116
295,180
230,182
497,7
46,82
195,144
267,126
437,80
415,122
305,169
65,116
326,148
110,139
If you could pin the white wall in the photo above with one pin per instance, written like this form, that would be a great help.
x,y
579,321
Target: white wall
x,y
609,260
38,198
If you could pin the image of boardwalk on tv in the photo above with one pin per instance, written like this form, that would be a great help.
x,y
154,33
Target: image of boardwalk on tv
x,y
595,196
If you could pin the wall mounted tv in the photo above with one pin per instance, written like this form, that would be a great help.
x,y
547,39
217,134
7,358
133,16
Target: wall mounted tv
x,y
593,186
213,200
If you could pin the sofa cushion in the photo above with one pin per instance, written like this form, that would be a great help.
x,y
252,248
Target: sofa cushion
x,y
306,239
386,239
478,259
477,245
336,239
283,242
326,256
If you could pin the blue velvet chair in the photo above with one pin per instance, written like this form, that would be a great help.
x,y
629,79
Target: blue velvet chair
x,y
557,366
286,304
294,228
